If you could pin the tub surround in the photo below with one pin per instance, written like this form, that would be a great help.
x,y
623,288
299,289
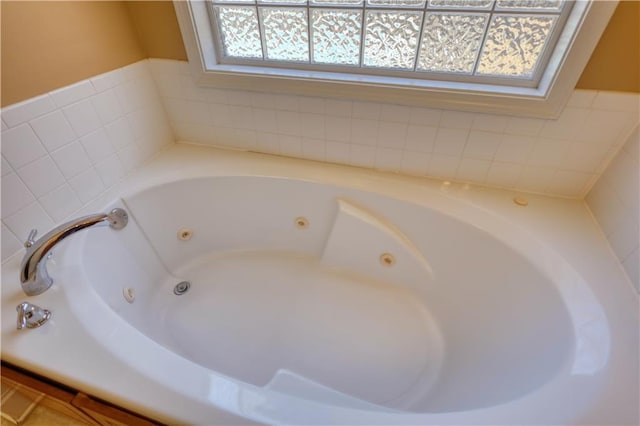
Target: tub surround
x,y
614,203
144,383
560,157
63,149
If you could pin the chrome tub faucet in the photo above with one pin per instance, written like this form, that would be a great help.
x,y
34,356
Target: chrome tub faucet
x,y
34,277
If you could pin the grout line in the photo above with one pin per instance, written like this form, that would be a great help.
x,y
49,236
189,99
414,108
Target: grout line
x,y
607,243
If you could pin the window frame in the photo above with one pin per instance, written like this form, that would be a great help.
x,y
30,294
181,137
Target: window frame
x,y
362,69
544,101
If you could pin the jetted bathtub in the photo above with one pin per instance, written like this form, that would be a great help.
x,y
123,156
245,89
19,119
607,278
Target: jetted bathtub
x,y
257,289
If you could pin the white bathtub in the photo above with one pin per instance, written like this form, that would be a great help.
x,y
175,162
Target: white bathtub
x,y
488,313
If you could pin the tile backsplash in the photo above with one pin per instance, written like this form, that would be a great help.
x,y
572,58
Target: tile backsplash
x,y
559,157
614,201
65,148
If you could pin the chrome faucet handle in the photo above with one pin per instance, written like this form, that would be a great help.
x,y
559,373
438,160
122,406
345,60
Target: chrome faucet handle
x,y
31,316
31,239
22,316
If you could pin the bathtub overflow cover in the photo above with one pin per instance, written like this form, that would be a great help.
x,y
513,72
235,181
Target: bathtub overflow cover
x,y
181,288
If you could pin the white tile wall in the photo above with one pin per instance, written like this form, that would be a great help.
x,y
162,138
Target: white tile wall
x,y
560,157
614,201
63,149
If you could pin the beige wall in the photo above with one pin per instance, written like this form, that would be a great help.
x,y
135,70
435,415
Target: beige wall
x,y
615,64
46,45
50,44
157,28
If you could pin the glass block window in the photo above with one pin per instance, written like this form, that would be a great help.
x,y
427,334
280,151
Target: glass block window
x,y
505,41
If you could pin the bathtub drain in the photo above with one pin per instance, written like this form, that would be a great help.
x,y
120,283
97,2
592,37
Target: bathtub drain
x,y
181,288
